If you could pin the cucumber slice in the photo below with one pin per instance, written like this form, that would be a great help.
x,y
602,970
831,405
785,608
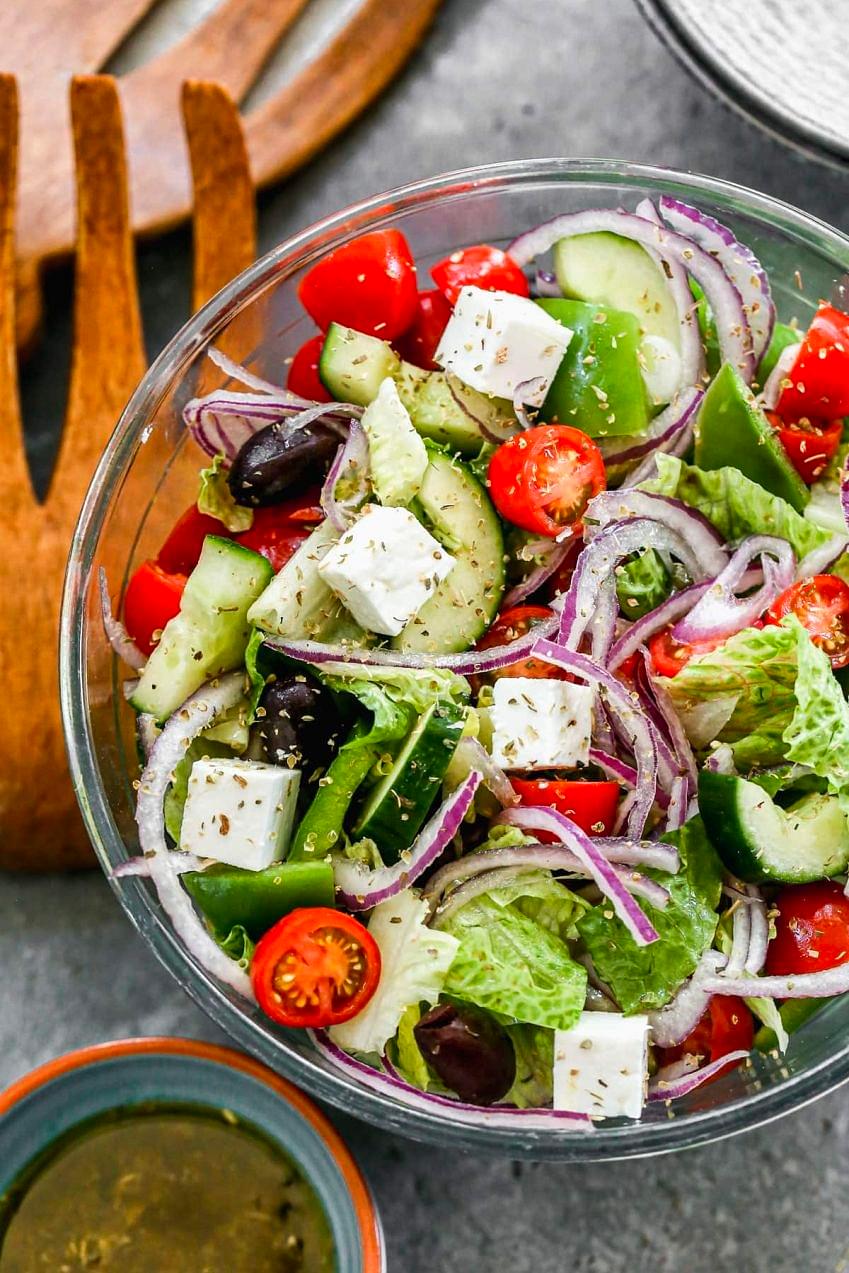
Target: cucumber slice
x,y
458,512
210,634
299,604
353,366
398,806
759,841
606,268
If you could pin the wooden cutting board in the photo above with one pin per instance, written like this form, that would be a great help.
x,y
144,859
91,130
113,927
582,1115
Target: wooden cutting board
x,y
45,42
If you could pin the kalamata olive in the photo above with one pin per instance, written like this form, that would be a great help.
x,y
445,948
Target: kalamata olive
x,y
469,1051
296,717
275,460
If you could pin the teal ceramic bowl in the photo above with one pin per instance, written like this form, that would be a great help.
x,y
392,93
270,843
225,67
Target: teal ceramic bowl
x,y
48,1103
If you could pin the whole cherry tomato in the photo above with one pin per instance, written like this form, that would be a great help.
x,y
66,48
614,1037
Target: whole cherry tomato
x,y
543,479
316,967
368,284
479,266
811,929
418,344
821,604
303,377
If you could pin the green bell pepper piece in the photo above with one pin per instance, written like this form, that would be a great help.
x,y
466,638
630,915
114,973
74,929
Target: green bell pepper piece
x,y
598,387
320,829
794,1013
230,897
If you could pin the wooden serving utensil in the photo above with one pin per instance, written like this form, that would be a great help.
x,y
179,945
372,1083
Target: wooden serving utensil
x,y
40,826
45,42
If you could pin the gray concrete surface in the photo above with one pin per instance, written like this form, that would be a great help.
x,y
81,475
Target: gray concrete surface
x,y
497,79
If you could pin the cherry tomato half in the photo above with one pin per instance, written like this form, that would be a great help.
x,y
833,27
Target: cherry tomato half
x,y
821,604
419,342
368,284
303,377
668,656
316,967
509,626
811,929
181,551
809,446
279,529
543,479
819,378
726,1026
152,598
590,805
479,266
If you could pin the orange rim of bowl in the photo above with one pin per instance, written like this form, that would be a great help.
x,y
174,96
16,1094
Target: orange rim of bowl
x,y
355,1183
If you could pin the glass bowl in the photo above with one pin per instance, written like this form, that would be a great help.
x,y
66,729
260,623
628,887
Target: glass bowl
x,y
48,1103
148,475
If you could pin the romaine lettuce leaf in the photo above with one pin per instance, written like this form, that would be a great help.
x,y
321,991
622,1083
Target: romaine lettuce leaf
x,y
414,960
408,1058
511,965
533,1086
818,734
757,667
415,688
175,796
735,504
216,500
646,977
545,900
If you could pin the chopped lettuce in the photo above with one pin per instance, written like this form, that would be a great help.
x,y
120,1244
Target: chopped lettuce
x,y
414,961
175,796
216,500
818,734
646,977
545,900
239,946
757,669
511,965
408,1059
533,1086
735,504
642,584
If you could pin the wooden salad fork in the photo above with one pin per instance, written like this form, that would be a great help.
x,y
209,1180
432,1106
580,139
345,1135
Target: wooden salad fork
x,y
40,826
45,42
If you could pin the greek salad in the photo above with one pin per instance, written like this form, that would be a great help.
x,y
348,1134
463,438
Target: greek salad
x,y
491,697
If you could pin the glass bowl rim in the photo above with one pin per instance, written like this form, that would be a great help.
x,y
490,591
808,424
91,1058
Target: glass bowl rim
x,y
606,1143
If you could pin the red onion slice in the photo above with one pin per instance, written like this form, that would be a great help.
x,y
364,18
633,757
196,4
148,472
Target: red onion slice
x,y
670,1085
236,371
807,985
223,421
629,718
529,393
506,1117
774,384
732,322
116,634
613,767
741,929
692,350
844,490
664,614
317,653
758,932
820,560
670,432
472,753
359,889
553,555
741,265
671,1024
147,732
539,818
720,612
351,462
706,553
545,284
197,714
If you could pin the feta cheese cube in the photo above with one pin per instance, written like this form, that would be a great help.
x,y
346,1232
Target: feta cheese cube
x,y
601,1065
239,811
385,568
495,340
540,724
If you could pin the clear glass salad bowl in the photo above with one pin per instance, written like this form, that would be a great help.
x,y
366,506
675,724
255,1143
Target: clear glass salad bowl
x,y
148,475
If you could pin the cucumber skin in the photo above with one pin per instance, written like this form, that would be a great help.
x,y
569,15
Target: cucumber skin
x,y
416,787
478,575
733,841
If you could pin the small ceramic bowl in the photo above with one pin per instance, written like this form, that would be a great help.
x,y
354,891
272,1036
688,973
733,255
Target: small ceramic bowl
x,y
50,1101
